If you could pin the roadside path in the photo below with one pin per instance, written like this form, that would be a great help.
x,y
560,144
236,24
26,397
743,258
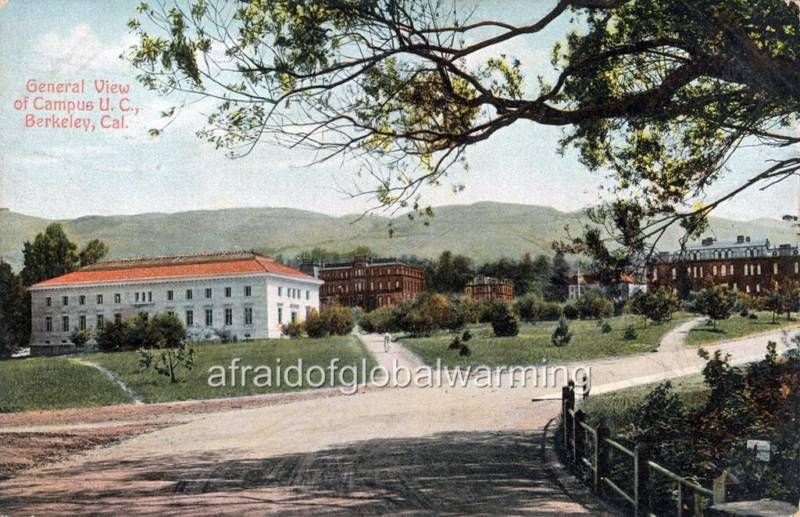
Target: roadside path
x,y
113,377
436,450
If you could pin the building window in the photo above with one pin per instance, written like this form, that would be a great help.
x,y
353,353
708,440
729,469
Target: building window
x,y
82,300
118,318
65,300
758,269
99,299
137,296
209,317
188,294
189,318
731,269
248,315
99,322
747,288
65,323
228,316
758,288
117,298
294,316
248,290
280,291
674,274
724,270
227,292
308,294
49,301
208,292
149,296
170,295
775,268
714,270
82,322
48,324
280,315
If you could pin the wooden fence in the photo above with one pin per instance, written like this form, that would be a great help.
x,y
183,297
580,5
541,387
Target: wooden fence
x,y
595,460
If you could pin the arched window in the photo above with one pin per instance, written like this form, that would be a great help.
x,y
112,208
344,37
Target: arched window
x,y
724,271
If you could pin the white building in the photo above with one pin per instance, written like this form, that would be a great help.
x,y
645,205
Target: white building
x,y
244,294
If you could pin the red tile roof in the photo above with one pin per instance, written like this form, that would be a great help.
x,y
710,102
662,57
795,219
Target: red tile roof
x,y
173,267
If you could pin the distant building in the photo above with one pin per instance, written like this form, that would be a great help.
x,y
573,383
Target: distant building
x,y
486,288
248,295
743,265
370,283
624,289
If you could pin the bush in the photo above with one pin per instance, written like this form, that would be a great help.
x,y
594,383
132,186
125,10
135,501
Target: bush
x,y
549,311
113,336
504,324
593,305
561,334
527,307
338,320
314,326
629,333
605,328
426,313
571,312
293,329
79,337
657,305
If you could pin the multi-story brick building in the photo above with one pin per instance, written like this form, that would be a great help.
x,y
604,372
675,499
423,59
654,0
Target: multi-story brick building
x,y
242,293
370,283
745,265
486,288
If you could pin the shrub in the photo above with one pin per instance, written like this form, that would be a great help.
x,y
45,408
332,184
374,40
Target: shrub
x,y
338,320
314,326
716,302
293,329
426,313
657,305
629,333
79,337
113,336
549,311
561,334
504,324
165,349
605,328
571,312
753,316
527,307
593,305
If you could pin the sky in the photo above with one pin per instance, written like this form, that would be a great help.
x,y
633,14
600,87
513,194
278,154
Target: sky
x,y
67,174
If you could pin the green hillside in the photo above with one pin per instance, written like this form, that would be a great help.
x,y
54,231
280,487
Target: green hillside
x,y
484,231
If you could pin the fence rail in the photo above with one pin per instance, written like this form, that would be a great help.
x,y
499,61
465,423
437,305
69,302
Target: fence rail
x,y
690,497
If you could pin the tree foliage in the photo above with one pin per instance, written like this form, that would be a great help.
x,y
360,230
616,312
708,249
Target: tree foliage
x,y
716,302
14,311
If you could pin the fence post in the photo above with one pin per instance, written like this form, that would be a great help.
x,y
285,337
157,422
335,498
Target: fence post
x,y
567,404
641,476
578,438
601,457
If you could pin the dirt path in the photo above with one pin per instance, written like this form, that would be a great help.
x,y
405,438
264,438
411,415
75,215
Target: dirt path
x,y
113,377
463,450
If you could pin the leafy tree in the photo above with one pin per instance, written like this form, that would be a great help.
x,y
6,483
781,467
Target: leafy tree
x,y
504,324
527,307
14,311
338,320
593,305
656,305
79,337
93,252
426,313
314,325
558,289
561,334
449,273
773,301
113,336
49,255
716,302
293,329
165,351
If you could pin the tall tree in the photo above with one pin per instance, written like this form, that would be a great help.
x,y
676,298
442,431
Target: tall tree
x,y
14,311
49,255
558,289
659,92
94,251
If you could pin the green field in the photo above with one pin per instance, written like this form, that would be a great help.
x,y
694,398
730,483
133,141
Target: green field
x,y
270,352
617,408
533,344
54,383
737,326
57,382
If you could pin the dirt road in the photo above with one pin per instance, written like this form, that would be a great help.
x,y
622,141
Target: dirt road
x,y
395,450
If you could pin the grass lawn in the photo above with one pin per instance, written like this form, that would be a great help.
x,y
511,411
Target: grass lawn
x,y
617,408
270,352
533,344
737,326
54,383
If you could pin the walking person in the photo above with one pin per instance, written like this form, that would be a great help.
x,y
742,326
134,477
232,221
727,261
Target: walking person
x,y
387,341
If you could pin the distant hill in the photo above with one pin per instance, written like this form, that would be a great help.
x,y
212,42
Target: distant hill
x,y
483,231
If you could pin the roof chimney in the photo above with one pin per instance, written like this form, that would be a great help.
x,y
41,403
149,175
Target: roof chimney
x,y
739,239
708,241
747,239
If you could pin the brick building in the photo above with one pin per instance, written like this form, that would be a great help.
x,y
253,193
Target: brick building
x,y
744,265
370,283
486,288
